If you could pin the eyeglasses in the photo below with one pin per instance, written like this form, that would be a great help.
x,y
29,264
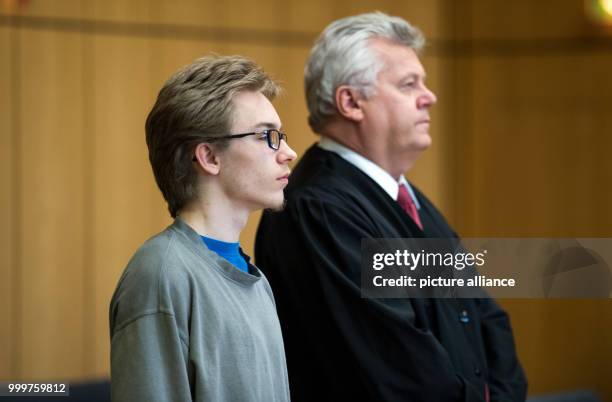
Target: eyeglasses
x,y
274,137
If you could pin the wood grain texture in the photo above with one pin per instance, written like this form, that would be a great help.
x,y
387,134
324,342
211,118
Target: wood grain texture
x,y
8,181
51,175
120,183
531,159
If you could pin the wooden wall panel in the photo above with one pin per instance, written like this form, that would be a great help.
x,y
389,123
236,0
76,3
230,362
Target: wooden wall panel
x,y
134,11
52,224
264,14
294,16
525,19
564,345
422,13
540,125
530,159
126,203
268,15
208,13
169,55
44,9
542,169
116,83
306,16
8,206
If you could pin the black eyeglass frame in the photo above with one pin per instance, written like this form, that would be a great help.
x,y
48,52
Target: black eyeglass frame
x,y
282,136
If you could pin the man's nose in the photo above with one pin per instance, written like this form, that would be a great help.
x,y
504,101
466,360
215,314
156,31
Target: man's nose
x,y
286,153
427,99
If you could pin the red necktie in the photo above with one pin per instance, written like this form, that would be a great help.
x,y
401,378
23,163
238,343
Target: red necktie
x,y
407,203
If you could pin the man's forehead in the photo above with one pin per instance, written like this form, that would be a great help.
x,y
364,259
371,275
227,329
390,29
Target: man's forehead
x,y
254,111
402,59
388,46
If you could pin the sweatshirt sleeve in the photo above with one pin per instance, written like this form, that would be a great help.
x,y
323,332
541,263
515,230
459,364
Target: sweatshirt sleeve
x,y
149,361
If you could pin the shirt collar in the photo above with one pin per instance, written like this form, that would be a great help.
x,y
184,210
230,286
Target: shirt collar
x,y
372,170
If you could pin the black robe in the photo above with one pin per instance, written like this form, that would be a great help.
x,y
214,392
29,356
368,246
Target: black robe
x,y
341,347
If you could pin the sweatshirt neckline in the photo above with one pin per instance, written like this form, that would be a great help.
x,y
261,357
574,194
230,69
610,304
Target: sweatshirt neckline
x,y
220,264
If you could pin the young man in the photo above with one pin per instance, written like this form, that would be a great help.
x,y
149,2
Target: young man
x,y
192,318
367,98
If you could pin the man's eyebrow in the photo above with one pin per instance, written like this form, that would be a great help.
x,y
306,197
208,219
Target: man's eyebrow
x,y
266,125
415,75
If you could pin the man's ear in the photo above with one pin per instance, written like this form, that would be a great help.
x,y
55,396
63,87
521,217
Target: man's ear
x,y
207,157
348,103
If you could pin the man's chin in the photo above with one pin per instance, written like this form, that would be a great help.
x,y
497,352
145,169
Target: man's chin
x,y
423,144
277,207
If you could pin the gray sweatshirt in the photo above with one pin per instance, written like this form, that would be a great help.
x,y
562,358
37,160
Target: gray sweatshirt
x,y
187,325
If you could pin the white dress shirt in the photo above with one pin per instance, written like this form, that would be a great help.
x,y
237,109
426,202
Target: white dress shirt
x,y
375,172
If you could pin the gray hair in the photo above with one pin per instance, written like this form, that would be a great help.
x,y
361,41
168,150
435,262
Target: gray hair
x,y
341,56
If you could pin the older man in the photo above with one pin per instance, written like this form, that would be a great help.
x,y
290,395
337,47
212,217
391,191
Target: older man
x,y
192,319
367,98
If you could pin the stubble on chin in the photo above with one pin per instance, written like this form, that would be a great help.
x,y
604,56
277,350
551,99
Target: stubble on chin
x,y
279,207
